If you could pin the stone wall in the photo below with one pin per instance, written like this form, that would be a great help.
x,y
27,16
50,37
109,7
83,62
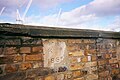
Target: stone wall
x,y
20,57
86,59
25,58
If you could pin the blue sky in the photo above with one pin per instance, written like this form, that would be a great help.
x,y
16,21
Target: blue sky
x,y
80,14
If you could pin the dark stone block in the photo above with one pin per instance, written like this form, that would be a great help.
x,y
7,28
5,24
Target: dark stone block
x,y
1,70
38,72
6,59
14,76
10,42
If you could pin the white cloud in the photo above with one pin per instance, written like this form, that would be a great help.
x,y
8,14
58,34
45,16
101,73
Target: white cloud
x,y
100,8
49,3
83,16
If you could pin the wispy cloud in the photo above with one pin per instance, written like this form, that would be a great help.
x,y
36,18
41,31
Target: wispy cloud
x,y
12,5
84,16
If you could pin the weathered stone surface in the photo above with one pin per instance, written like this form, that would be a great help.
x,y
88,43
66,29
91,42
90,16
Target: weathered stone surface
x,y
10,59
37,64
38,72
107,56
75,60
77,53
29,79
85,59
115,71
81,41
33,57
92,77
24,66
90,52
37,49
74,47
68,75
60,77
74,41
11,68
6,59
14,76
82,78
10,42
104,73
77,73
1,70
10,50
18,58
25,50
102,62
50,78
55,53
89,64
1,51
76,66
114,66
114,60
39,78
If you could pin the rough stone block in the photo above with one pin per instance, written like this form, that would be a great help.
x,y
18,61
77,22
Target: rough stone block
x,y
50,77
104,73
82,78
90,64
10,42
90,52
14,76
94,58
37,49
25,50
10,59
107,56
77,73
102,62
75,60
37,64
18,58
77,53
114,60
1,70
101,68
60,77
76,66
37,72
114,65
68,75
85,59
74,41
10,50
39,42
25,66
73,47
11,68
92,77
39,78
109,78
1,50
33,57
115,71
6,59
